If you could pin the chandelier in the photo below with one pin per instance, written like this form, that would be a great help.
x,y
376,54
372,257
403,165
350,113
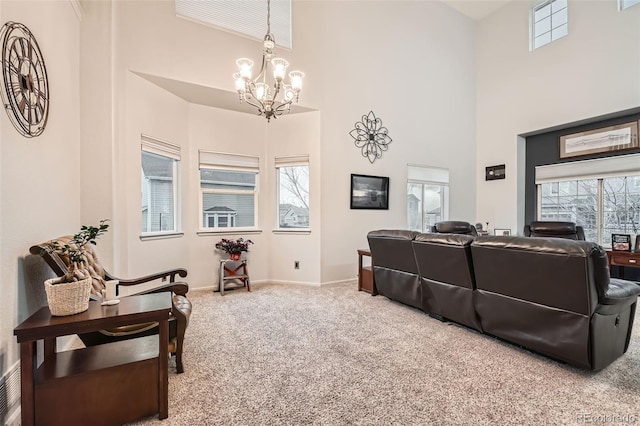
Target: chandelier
x,y
262,92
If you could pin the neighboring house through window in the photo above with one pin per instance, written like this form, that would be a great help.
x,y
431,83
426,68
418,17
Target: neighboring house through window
x,y
228,190
427,197
160,164
292,175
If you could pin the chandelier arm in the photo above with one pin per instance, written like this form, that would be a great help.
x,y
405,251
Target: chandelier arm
x,y
282,106
253,101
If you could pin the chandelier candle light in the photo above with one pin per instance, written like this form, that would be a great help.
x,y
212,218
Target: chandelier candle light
x,y
260,94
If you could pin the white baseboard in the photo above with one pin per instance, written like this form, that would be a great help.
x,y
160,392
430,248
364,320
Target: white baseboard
x,y
282,282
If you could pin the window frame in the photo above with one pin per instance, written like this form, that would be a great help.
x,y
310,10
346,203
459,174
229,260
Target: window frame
x,y
211,160
626,4
290,161
170,151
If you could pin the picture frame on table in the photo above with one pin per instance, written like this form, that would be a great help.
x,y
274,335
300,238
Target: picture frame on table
x,y
621,242
501,232
369,192
607,139
636,248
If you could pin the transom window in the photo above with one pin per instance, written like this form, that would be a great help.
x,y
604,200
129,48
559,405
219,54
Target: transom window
x,y
550,21
228,191
427,197
623,4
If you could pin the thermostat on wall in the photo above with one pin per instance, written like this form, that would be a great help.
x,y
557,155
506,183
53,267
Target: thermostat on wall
x,y
495,172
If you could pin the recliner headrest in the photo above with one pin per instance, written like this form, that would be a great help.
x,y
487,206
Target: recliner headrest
x,y
454,227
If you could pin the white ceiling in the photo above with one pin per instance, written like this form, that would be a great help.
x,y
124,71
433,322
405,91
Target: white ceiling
x,y
476,9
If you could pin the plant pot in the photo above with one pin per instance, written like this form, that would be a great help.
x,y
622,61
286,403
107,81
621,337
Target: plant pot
x,y
67,298
235,256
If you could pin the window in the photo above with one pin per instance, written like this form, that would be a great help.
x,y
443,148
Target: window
x,y
292,176
601,195
427,197
550,21
160,164
244,17
229,190
623,4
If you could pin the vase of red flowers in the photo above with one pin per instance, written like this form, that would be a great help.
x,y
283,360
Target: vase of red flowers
x,y
233,248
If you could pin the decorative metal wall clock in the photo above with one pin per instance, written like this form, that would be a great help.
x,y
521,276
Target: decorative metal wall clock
x,y
371,137
24,76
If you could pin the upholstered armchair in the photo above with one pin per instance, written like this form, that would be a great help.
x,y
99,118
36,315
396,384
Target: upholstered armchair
x,y
454,227
181,305
568,230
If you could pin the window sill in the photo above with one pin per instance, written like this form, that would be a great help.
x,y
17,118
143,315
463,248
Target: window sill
x,y
161,236
237,231
283,231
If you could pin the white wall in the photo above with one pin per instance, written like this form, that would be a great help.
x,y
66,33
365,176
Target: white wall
x,y
39,177
413,64
595,70
295,135
366,59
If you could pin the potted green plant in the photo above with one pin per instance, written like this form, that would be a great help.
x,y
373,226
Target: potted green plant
x,y
233,248
69,294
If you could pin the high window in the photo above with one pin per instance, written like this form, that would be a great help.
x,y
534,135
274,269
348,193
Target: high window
x,y
602,195
292,176
228,191
160,165
244,17
623,4
549,22
427,197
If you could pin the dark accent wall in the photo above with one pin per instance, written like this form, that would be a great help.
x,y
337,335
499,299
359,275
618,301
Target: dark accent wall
x,y
542,148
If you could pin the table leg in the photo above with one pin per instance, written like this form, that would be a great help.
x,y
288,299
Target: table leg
x,y
222,278
163,366
27,387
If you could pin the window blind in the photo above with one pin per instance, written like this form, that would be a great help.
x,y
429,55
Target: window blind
x,y
622,165
225,161
160,147
427,174
290,161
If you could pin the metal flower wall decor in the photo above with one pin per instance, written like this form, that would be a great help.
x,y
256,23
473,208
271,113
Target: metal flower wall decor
x,y
371,137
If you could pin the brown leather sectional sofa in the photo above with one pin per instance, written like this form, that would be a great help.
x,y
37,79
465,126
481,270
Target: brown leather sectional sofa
x,y
550,295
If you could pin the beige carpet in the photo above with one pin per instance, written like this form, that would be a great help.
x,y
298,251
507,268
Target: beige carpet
x,y
332,355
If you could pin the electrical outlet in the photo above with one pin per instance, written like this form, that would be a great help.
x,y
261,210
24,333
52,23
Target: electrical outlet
x,y
296,264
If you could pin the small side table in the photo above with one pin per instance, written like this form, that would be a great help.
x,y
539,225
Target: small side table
x,y
113,383
365,274
623,258
236,270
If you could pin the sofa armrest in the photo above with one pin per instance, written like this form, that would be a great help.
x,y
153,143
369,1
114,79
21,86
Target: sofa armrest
x,y
620,293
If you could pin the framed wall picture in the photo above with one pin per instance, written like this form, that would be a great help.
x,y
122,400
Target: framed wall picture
x,y
369,192
498,231
620,242
606,139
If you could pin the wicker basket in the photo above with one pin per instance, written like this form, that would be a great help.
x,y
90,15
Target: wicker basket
x,y
67,298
